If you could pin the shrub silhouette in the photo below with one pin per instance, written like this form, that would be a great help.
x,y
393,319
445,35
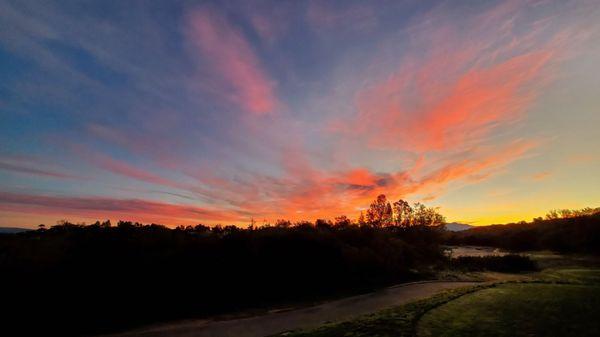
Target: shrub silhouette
x,y
511,263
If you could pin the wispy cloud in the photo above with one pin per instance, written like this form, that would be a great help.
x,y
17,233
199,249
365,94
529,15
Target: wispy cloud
x,y
322,16
233,63
33,167
102,207
469,82
465,110
541,176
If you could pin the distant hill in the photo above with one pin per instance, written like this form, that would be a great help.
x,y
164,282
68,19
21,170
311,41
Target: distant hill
x,y
12,230
457,227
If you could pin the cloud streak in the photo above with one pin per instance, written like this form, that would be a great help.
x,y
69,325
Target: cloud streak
x,y
232,61
27,169
102,207
468,85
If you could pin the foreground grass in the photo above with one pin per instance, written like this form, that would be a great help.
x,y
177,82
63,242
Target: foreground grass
x,y
571,298
518,309
572,275
400,321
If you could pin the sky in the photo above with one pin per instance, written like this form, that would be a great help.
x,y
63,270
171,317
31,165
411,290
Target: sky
x,y
186,112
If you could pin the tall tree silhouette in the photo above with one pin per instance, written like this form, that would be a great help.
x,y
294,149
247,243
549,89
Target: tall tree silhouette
x,y
380,212
402,213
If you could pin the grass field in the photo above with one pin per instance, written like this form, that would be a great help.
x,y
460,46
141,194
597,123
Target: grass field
x,y
523,309
560,301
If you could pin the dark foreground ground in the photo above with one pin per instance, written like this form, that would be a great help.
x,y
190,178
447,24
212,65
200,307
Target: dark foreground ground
x,y
303,318
561,300
460,304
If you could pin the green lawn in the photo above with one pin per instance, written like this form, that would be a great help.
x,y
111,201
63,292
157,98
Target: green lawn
x,y
557,302
571,275
525,309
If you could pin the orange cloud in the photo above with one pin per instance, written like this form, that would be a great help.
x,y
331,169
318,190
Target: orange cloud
x,y
232,61
465,109
305,192
463,82
479,166
541,176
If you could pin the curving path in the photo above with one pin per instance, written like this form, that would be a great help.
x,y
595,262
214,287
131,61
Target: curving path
x,y
301,318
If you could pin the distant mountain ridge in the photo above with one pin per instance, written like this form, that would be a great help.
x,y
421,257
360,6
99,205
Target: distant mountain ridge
x,y
458,227
12,230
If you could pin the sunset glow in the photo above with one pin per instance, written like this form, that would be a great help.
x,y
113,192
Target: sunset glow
x,y
228,111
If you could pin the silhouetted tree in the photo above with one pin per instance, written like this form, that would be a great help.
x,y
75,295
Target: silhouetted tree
x,y
200,229
128,224
402,213
283,223
379,213
553,214
342,221
323,224
426,216
361,219
571,213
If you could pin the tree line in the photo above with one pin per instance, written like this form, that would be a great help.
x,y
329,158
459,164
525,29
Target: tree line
x,y
565,231
87,279
566,213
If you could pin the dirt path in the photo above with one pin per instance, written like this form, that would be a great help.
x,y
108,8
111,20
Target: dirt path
x,y
302,318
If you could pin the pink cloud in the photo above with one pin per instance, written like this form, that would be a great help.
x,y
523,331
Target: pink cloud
x,y
101,207
123,168
232,61
415,114
151,139
272,23
463,83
